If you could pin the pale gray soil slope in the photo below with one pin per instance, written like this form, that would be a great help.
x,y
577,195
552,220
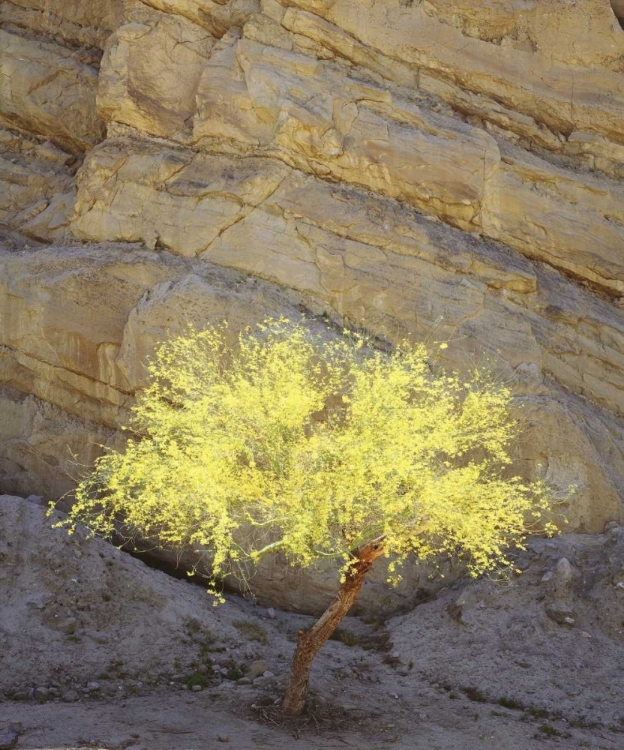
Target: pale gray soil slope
x,y
99,650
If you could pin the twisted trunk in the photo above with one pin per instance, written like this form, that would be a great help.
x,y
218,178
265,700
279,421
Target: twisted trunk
x,y
309,642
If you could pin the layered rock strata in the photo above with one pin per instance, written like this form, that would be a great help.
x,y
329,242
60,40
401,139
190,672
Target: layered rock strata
x,y
438,170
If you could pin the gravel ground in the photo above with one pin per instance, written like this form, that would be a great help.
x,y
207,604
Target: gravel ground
x,y
99,650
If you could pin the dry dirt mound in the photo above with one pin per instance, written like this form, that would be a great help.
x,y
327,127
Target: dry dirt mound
x,y
98,648
550,641
76,610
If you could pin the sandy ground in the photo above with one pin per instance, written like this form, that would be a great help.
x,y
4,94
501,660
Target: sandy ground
x,y
98,650
198,721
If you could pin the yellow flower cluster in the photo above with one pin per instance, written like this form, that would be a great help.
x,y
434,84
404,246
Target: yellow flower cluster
x,y
312,446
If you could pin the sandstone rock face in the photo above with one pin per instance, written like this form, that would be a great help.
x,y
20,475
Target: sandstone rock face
x,y
448,171
150,71
45,89
75,23
36,175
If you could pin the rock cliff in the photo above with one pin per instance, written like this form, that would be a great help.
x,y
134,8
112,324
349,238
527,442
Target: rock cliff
x,y
441,169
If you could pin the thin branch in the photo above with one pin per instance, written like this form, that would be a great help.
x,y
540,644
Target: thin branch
x,y
269,549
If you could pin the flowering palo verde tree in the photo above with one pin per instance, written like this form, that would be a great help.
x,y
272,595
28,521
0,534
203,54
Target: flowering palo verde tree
x,y
317,448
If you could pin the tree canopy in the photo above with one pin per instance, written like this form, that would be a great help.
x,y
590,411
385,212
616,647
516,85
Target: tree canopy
x,y
313,445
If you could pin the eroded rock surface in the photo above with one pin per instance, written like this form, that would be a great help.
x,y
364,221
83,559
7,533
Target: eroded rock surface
x,y
439,170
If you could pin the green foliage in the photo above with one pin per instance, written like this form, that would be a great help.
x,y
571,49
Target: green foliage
x,y
345,636
198,678
548,730
511,703
251,631
313,446
474,694
535,712
234,673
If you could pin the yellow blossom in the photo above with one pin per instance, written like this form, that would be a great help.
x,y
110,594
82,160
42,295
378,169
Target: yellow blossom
x,y
313,446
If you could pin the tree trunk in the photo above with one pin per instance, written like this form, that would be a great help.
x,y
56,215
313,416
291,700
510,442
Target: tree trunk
x,y
309,642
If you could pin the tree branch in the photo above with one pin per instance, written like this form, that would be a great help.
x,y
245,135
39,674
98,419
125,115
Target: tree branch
x,y
269,549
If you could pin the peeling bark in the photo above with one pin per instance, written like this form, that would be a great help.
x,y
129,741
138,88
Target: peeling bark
x,y
309,642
